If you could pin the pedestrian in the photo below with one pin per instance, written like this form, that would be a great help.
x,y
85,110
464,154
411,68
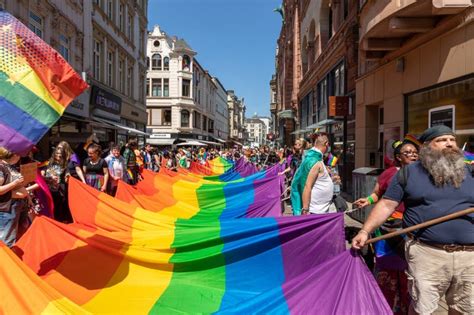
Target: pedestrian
x,y
147,157
55,175
117,169
318,189
440,257
390,263
95,169
11,183
131,160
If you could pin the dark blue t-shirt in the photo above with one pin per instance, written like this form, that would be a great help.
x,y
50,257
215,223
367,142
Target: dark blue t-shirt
x,y
424,201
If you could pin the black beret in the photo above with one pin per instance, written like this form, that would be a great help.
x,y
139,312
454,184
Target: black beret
x,y
436,131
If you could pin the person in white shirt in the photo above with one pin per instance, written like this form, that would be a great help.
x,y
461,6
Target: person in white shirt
x,y
318,190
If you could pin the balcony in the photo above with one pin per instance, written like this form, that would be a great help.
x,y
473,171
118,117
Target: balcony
x,y
388,25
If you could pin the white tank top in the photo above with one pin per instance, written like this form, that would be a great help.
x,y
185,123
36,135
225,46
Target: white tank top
x,y
322,193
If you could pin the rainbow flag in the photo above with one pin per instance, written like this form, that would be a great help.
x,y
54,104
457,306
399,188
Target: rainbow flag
x,y
179,196
24,292
332,160
36,85
259,265
468,157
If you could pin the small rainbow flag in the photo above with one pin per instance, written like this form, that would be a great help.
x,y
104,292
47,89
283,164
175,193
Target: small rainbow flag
x,y
468,157
412,139
332,160
36,85
130,174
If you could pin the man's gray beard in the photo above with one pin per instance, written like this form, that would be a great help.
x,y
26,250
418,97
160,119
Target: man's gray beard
x,y
445,166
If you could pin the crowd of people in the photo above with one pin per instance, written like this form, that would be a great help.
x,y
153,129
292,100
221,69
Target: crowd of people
x,y
427,178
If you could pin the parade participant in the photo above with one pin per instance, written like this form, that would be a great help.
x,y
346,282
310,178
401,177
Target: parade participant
x,y
389,268
117,169
73,164
439,256
131,160
95,169
10,184
55,176
314,156
297,154
318,190
147,157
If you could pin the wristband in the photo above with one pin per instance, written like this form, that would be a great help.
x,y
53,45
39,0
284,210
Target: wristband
x,y
370,200
362,230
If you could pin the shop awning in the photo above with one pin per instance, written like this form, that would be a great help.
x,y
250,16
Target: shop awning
x,y
220,140
192,143
160,141
237,142
210,142
297,132
130,130
287,113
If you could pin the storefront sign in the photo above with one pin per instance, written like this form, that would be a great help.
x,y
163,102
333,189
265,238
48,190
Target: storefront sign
x,y
443,115
160,136
106,101
80,106
338,105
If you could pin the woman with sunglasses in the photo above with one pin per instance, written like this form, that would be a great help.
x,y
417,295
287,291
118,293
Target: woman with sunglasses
x,y
390,263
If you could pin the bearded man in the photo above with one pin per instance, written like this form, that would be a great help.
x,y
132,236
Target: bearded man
x,y
440,257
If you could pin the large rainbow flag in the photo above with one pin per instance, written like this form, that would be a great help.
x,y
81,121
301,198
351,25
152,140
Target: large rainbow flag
x,y
24,292
252,196
36,85
264,265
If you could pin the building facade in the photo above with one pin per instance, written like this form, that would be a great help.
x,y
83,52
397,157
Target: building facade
x,y
103,40
416,68
329,38
183,100
236,107
257,128
288,73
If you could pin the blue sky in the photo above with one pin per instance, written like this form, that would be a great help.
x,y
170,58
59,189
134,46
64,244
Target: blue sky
x,y
235,40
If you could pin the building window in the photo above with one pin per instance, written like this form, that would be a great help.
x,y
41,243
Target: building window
x,y
197,120
121,17
64,47
142,40
129,81
166,117
147,87
156,62
186,63
110,67
211,125
97,59
156,43
141,88
156,87
130,28
184,118
186,87
204,122
121,76
110,9
166,87
36,24
166,63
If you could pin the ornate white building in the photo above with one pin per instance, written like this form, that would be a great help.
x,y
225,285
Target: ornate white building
x,y
183,100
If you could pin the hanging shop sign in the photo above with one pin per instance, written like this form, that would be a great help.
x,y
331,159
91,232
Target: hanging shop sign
x,y
338,105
